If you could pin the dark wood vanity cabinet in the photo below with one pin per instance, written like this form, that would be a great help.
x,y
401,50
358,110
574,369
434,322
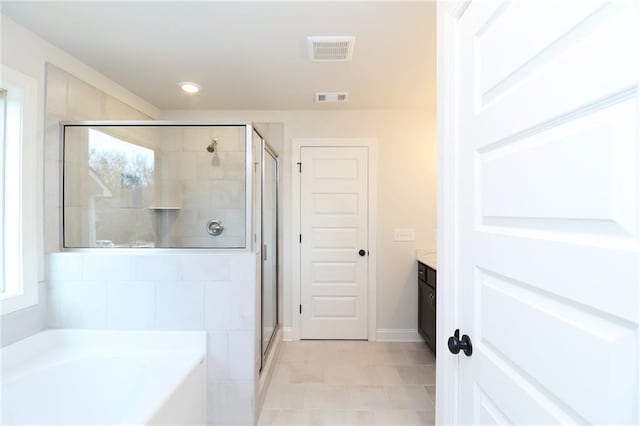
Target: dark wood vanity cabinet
x,y
427,304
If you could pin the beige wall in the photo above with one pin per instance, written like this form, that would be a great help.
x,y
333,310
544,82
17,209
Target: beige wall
x,y
406,190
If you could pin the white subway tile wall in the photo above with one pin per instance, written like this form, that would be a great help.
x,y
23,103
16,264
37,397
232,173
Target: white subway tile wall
x,y
180,305
148,268
131,305
228,310
241,364
228,403
168,291
77,304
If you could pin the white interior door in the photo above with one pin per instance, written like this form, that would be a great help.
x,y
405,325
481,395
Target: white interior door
x,y
547,262
333,223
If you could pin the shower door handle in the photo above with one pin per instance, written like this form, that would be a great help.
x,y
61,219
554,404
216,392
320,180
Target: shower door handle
x,y
264,252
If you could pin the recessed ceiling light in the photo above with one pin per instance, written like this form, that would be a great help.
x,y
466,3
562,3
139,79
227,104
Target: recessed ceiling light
x,y
189,87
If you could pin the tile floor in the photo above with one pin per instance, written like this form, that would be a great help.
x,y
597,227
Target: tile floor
x,y
351,383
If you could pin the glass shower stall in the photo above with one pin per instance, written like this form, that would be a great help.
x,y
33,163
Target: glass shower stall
x,y
155,185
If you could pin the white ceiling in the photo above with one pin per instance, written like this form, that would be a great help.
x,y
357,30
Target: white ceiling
x,y
247,54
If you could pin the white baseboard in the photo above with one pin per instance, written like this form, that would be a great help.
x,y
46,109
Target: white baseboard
x,y
287,334
382,335
398,335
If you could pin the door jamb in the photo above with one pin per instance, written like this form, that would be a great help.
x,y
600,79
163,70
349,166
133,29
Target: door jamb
x,y
447,367
297,143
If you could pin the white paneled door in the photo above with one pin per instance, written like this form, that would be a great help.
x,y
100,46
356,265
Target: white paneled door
x,y
544,100
334,242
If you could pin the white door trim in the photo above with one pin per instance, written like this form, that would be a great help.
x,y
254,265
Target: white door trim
x,y
295,332
447,367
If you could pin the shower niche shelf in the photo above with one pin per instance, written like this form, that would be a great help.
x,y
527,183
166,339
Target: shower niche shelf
x,y
160,208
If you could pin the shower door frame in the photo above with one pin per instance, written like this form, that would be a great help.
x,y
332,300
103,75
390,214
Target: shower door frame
x,y
267,149
248,240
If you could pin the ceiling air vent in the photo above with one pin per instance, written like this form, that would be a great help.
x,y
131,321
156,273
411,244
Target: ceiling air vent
x,y
331,97
330,48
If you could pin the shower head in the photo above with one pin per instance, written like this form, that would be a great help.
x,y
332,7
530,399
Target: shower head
x,y
213,146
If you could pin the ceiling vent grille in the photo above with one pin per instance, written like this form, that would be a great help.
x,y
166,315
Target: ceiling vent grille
x,y
326,97
330,48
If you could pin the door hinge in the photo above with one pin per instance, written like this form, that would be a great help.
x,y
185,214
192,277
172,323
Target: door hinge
x,y
299,163
300,238
301,308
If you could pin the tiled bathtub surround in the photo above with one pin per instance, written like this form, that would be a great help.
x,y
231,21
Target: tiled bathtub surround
x,y
170,291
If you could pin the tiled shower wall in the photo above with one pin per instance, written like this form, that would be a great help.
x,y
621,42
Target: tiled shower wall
x,y
190,186
204,185
209,291
70,99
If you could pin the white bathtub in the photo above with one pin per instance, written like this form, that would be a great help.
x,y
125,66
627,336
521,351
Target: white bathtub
x,y
76,377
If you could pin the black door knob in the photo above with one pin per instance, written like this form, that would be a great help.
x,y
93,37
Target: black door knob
x,y
362,252
456,344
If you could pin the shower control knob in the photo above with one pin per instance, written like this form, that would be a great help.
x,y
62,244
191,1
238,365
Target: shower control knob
x,y
214,227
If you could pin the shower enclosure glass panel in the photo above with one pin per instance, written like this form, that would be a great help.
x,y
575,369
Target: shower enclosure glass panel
x,y
154,186
256,155
269,248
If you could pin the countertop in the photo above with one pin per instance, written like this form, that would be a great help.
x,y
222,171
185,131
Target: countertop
x,y
429,258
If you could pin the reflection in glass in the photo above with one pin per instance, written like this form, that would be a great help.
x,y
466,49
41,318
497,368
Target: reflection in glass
x,y
115,162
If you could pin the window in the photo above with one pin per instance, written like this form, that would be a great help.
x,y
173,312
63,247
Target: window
x,y
3,119
120,163
18,234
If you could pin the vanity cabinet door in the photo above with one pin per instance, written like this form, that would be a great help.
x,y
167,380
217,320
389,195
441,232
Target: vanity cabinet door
x,y
430,314
426,313
427,305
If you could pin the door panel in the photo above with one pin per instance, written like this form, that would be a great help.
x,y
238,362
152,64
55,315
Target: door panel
x,y
547,197
334,186
590,192
590,73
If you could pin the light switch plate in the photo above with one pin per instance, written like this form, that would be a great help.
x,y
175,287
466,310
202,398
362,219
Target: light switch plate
x,y
404,234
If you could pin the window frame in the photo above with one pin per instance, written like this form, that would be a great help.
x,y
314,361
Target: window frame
x,y
3,119
21,109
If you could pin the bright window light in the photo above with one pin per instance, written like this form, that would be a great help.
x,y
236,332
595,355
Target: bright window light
x,y
18,220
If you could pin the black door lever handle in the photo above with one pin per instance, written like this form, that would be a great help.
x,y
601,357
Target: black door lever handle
x,y
457,344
